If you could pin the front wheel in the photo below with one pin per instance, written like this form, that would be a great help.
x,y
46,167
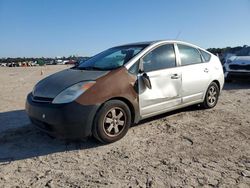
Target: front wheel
x,y
212,96
112,121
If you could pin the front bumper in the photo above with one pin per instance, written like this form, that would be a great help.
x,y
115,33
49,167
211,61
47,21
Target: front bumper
x,y
237,75
71,120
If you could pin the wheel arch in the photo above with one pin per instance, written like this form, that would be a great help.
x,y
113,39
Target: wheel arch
x,y
213,81
217,82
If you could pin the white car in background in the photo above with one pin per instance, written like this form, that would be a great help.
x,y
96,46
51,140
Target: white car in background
x,y
237,67
4,65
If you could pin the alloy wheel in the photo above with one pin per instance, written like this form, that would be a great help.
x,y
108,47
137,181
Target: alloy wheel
x,y
114,122
212,95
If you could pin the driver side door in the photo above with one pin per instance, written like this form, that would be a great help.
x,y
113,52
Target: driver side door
x,y
165,76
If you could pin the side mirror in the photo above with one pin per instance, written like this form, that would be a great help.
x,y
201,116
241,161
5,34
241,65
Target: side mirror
x,y
146,80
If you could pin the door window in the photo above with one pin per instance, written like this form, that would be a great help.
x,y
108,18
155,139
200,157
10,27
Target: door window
x,y
162,57
189,55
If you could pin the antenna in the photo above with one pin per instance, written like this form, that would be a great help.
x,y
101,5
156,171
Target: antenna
x,y
177,36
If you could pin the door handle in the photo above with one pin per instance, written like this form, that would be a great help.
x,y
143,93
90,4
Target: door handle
x,y
175,76
206,70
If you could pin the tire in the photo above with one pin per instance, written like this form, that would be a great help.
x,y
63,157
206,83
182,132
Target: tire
x,y
212,96
112,121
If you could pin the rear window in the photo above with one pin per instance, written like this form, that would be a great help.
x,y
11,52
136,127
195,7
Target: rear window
x,y
206,56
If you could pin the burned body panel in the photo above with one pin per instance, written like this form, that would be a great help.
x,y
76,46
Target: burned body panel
x,y
116,84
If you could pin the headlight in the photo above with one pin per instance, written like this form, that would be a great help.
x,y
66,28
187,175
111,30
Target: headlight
x,y
72,92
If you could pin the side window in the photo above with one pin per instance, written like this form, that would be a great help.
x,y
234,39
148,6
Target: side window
x,y
205,55
162,57
189,55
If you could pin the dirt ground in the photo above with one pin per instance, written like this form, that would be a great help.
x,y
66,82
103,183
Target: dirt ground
x,y
186,148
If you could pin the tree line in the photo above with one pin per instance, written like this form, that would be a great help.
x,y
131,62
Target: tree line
x,y
40,59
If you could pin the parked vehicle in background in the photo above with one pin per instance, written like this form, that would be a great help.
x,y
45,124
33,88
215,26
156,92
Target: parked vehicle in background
x,y
105,94
3,64
13,64
70,62
237,67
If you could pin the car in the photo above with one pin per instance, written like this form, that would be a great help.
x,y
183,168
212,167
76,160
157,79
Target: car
x,y
105,94
237,67
71,62
3,64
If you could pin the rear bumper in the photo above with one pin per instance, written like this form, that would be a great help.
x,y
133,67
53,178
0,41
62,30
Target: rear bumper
x,y
237,75
71,121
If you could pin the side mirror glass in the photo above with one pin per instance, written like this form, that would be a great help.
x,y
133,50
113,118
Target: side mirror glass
x,y
146,80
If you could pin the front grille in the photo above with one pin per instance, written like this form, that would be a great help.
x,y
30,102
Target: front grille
x,y
239,67
42,99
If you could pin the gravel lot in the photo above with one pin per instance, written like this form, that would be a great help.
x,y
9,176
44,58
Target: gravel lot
x,y
186,148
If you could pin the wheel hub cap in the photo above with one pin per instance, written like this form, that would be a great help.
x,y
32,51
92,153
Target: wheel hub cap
x,y
212,95
114,122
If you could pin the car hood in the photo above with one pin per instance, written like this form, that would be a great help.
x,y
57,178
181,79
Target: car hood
x,y
52,85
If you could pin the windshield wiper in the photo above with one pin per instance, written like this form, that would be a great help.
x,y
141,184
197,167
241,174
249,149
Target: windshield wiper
x,y
98,68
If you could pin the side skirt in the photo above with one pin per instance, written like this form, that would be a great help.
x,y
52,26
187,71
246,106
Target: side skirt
x,y
171,109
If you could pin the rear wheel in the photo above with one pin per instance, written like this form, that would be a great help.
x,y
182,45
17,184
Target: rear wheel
x,y
212,96
112,121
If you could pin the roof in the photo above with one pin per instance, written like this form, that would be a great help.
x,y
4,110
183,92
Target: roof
x,y
159,42
147,43
150,42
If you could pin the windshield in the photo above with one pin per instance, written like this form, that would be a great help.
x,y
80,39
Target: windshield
x,y
112,58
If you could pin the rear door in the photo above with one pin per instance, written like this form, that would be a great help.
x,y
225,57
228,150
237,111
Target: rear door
x,y
161,68
195,73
